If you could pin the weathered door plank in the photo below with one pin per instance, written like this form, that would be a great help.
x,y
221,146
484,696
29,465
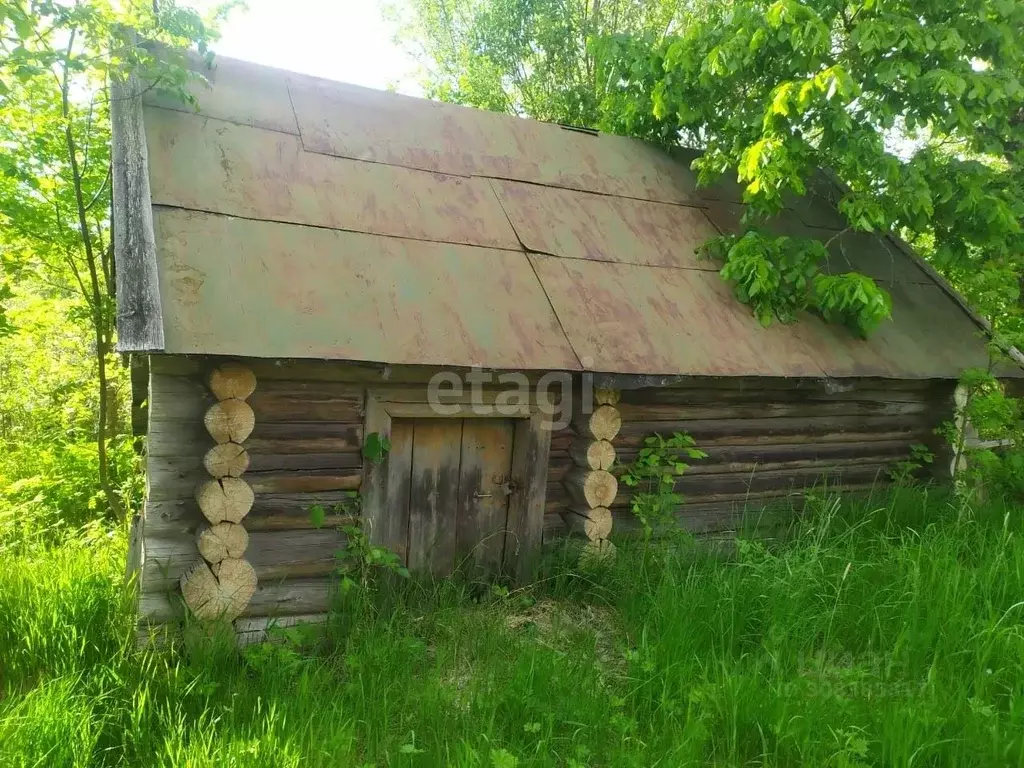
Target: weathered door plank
x,y
434,493
483,495
394,533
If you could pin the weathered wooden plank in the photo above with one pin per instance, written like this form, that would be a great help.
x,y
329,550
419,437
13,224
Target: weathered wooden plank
x,y
777,431
767,410
804,384
174,518
294,554
557,499
276,401
377,374
486,466
266,462
139,314
175,477
433,495
178,397
165,560
748,459
176,437
305,437
290,597
393,524
311,481
250,631
458,410
283,511
526,506
270,512
510,399
726,395
275,555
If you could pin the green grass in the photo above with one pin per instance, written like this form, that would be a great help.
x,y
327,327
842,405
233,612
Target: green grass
x,y
879,634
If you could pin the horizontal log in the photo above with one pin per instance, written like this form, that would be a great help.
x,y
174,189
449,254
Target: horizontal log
x,y
264,462
786,383
786,478
178,480
378,374
782,430
173,438
807,410
291,597
274,555
764,515
734,396
293,554
251,631
169,479
277,401
313,481
493,395
270,512
293,437
295,507
557,498
745,458
178,398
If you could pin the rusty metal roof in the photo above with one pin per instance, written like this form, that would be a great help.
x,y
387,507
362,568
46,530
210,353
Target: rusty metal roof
x,y
297,217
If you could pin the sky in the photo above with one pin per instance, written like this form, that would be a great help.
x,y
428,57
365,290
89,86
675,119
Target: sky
x,y
345,40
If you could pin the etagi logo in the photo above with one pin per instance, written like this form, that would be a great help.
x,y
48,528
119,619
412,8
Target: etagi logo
x,y
511,395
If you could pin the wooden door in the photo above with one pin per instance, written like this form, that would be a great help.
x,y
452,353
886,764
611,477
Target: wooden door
x,y
449,483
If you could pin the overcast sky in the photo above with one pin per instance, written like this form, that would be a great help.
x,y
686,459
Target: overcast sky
x,y
344,40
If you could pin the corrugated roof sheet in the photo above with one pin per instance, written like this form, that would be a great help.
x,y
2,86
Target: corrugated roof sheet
x,y
297,217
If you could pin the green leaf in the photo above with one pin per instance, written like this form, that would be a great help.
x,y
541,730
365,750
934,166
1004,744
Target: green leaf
x,y
376,447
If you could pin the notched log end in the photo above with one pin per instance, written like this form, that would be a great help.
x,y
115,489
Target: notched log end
x,y
232,380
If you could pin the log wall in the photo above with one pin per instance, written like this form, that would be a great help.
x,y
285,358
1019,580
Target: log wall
x,y
767,440
304,450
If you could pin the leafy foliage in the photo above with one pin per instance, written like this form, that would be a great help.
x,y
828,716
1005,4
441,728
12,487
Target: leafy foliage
x,y
988,441
915,105
56,63
779,278
526,57
653,474
376,447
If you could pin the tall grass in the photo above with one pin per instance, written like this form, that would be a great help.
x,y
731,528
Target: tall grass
x,y
887,633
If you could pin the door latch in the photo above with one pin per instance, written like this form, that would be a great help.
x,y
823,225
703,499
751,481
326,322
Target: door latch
x,y
505,488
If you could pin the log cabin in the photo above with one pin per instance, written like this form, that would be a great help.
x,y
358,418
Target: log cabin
x,y
305,267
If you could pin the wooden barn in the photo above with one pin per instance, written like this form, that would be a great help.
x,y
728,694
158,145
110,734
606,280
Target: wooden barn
x,y
308,267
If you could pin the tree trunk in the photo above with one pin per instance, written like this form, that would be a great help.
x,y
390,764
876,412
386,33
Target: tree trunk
x,y
93,294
